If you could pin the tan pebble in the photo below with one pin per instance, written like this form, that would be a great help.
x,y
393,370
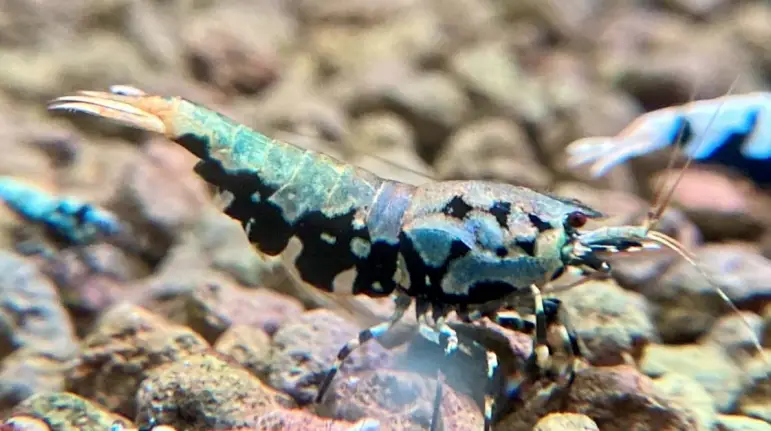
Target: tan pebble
x,y
25,423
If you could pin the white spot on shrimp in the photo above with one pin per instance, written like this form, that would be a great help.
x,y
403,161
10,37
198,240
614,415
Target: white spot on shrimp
x,y
401,277
360,247
248,227
126,90
329,239
359,219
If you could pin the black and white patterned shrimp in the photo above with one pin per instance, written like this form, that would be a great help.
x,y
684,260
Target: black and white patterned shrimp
x,y
462,246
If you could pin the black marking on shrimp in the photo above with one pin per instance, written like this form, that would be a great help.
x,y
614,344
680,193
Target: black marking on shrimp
x,y
541,225
319,261
501,210
426,280
528,246
486,291
558,273
457,208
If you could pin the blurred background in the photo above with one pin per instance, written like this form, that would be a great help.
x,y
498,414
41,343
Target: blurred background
x,y
503,85
411,89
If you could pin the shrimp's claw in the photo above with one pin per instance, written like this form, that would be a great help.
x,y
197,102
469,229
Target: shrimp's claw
x,y
123,104
590,150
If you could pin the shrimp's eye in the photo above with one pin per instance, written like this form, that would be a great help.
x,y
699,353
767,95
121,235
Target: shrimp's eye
x,y
576,219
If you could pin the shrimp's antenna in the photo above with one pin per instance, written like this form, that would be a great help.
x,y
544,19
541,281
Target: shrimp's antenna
x,y
655,215
658,209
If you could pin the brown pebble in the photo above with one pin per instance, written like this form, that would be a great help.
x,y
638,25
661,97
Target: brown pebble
x,y
125,345
566,421
24,423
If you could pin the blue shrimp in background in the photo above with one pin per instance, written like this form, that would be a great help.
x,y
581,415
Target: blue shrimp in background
x,y
733,131
65,220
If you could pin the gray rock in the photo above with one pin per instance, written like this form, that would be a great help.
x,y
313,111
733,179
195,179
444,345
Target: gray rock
x,y
305,349
691,395
706,364
611,322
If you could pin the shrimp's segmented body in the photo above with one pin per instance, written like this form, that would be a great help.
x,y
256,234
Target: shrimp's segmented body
x,y
734,130
463,246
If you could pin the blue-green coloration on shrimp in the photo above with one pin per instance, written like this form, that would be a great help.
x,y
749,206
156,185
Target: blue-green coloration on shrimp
x,y
463,246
